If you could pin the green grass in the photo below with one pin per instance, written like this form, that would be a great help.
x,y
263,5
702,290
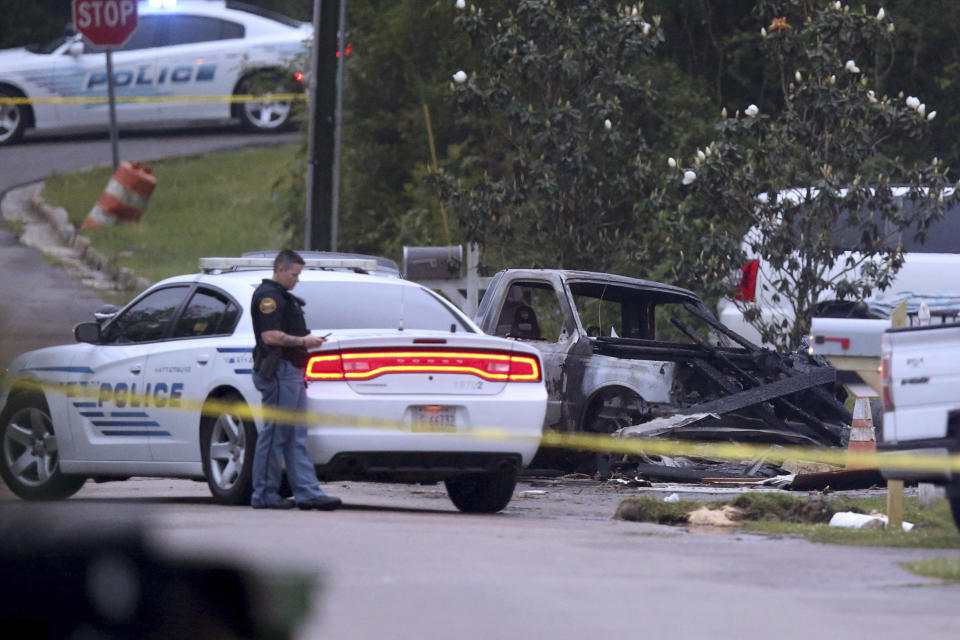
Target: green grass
x,y
214,205
785,514
942,568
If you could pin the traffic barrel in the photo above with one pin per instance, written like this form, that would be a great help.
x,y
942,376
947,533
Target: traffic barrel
x,y
125,197
863,437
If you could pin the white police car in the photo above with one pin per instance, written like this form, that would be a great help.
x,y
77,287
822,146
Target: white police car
x,y
164,388
196,48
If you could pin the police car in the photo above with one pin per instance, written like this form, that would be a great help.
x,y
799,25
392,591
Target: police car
x,y
401,391
195,48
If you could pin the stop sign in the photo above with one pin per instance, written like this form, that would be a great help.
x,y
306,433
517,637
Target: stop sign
x,y
105,23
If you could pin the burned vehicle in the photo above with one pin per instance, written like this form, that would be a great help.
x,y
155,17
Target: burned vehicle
x,y
619,352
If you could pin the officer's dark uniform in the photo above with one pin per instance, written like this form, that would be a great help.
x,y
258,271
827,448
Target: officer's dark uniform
x,y
279,378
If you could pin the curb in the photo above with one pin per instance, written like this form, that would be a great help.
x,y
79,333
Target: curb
x,y
56,217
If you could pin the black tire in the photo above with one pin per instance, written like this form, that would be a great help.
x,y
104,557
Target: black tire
x,y
484,493
955,508
267,116
13,118
232,441
29,455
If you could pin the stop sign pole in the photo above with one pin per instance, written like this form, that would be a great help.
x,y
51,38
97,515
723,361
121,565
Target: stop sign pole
x,y
108,24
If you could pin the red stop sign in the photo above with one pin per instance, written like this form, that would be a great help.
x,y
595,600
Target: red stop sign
x,y
105,23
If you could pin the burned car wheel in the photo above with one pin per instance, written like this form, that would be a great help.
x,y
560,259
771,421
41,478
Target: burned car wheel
x,y
484,493
614,408
29,454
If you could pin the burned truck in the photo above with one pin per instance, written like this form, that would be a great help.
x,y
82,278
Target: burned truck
x,y
619,352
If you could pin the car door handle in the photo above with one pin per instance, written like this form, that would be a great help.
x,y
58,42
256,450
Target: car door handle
x,y
136,369
203,359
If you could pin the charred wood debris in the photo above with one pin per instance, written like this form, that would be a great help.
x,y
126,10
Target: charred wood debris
x,y
746,394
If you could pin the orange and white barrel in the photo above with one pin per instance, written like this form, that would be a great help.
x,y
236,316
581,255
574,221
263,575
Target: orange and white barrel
x,y
863,438
125,198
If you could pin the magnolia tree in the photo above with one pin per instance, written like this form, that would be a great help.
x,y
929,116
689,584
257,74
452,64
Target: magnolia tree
x,y
812,176
560,113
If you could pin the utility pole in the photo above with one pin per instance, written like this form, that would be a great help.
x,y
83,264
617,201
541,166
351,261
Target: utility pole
x,y
320,137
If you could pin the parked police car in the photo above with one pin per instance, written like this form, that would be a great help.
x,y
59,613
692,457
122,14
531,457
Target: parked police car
x,y
197,48
164,388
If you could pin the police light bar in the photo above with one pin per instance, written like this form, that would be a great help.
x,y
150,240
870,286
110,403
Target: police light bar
x,y
226,264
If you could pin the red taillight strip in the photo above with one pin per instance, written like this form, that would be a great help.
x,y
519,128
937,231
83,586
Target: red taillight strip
x,y
510,368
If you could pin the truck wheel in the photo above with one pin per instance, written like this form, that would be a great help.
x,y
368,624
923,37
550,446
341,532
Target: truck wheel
x,y
29,455
484,493
227,443
955,508
267,115
12,119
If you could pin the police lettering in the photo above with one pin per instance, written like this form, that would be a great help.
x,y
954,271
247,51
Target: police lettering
x,y
159,395
143,76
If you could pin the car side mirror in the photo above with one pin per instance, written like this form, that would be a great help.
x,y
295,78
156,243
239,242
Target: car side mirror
x,y
76,48
87,332
106,312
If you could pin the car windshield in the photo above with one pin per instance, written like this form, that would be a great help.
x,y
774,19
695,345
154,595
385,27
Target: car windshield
x,y
375,305
47,47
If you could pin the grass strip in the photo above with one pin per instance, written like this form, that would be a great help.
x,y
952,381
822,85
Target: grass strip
x,y
943,568
785,514
219,204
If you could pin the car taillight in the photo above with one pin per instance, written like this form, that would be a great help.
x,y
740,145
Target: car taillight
x,y
886,379
365,365
747,289
298,77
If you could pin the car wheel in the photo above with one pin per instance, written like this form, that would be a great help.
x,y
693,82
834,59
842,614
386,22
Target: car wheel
x,y
267,115
12,119
955,508
227,443
483,493
29,455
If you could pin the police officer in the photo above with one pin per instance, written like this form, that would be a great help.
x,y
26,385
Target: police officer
x,y
279,361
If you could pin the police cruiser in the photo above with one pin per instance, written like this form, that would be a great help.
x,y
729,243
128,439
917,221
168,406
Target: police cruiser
x,y
181,48
399,392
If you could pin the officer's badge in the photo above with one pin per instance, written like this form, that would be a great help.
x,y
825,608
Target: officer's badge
x,y
268,305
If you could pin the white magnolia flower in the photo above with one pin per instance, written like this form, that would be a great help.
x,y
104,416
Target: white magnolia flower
x,y
763,32
689,177
752,111
460,77
890,28
922,110
723,113
646,28
607,124
871,96
671,163
913,102
832,79
881,13
461,4
701,156
798,77
851,66
931,115
837,5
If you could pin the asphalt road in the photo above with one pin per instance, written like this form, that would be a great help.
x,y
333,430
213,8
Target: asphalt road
x,y
400,563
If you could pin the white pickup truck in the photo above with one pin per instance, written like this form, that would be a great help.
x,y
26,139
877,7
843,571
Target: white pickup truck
x,y
920,389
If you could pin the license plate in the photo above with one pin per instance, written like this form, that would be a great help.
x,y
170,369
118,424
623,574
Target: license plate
x,y
433,418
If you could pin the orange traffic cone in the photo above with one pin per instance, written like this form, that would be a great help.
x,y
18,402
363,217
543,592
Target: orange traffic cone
x,y
863,438
125,197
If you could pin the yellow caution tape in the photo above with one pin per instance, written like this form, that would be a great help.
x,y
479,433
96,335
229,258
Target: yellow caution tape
x,y
577,441
246,97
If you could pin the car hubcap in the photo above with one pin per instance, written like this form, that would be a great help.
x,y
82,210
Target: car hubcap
x,y
267,115
227,449
30,448
9,119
